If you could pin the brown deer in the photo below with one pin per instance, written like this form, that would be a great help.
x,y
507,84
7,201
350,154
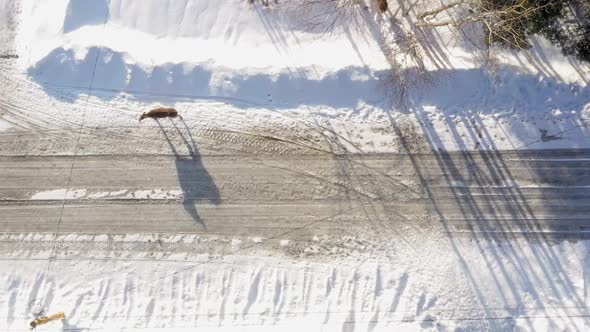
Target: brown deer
x,y
161,112
46,319
383,5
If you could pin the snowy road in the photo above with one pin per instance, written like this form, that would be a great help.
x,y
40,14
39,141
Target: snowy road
x,y
297,196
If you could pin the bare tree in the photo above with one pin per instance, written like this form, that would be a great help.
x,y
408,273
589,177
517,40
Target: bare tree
x,y
401,46
327,16
403,50
504,22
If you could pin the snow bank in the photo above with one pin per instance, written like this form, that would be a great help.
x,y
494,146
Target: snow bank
x,y
137,283
188,31
217,60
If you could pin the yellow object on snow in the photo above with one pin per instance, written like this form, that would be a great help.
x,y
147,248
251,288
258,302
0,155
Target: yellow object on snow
x,y
46,319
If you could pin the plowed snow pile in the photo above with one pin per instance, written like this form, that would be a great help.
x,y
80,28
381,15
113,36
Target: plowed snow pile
x,y
276,64
179,283
197,48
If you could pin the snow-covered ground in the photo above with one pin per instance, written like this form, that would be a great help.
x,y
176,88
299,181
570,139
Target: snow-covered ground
x,y
139,283
231,66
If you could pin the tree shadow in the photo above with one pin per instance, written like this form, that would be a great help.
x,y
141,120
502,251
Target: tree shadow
x,y
68,326
481,196
194,180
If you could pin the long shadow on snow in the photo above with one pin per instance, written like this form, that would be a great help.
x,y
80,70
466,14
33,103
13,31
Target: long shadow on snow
x,y
477,193
488,203
195,182
475,90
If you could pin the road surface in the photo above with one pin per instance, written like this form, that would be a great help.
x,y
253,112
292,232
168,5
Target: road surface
x,y
298,196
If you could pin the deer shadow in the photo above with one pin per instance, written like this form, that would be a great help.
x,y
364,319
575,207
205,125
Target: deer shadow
x,y
194,180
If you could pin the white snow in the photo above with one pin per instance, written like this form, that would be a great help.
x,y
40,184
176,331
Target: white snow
x,y
191,31
105,194
215,59
59,194
155,194
4,125
231,65
72,194
446,285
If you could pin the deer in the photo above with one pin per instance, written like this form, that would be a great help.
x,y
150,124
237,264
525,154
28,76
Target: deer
x,y
383,5
46,319
161,112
